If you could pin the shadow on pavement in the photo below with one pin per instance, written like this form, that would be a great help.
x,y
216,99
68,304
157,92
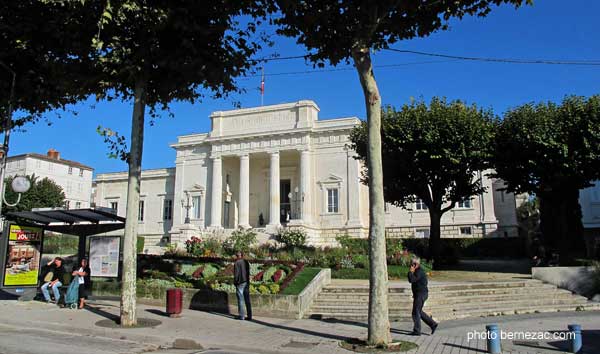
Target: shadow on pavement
x,y
105,314
303,331
464,347
590,340
358,324
6,296
158,312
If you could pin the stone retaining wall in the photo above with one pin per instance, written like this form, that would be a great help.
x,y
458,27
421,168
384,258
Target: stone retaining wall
x,y
576,279
279,306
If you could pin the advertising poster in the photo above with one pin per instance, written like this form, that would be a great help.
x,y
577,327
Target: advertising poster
x,y
104,256
23,256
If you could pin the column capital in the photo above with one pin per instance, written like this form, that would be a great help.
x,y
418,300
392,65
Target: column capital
x,y
274,153
244,155
215,157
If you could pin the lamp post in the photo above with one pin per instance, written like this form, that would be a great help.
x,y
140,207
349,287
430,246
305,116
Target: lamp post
x,y
6,127
186,204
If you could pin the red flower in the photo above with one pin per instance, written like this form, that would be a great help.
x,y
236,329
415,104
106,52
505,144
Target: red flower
x,y
278,275
258,276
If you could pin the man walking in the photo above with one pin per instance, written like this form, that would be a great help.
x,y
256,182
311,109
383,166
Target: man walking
x,y
418,281
54,279
241,280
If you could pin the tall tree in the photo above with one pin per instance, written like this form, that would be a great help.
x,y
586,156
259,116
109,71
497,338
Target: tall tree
x,y
434,153
337,31
552,151
154,52
46,45
44,193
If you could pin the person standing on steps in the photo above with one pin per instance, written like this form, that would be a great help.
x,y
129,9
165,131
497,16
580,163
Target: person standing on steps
x,y
241,280
418,280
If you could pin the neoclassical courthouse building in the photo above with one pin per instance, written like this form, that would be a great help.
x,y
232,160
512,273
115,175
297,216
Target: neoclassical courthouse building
x,y
281,165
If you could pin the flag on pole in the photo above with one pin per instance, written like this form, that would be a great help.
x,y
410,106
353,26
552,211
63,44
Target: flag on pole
x,y
262,86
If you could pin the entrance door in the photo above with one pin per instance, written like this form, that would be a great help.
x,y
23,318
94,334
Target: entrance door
x,y
285,209
226,215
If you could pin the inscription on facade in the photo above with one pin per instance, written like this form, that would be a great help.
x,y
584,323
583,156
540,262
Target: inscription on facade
x,y
262,121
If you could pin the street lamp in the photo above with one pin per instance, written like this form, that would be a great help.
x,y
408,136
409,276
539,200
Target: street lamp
x,y
20,185
185,203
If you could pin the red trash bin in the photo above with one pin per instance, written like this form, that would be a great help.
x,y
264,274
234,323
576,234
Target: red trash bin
x,y
174,302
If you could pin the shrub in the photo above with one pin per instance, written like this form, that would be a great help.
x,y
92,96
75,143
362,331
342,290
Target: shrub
x,y
269,272
596,279
274,288
353,245
292,238
212,247
194,246
346,263
240,240
258,276
278,276
209,270
140,244
263,289
361,260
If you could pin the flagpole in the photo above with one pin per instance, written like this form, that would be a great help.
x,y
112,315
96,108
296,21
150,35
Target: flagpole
x,y
262,86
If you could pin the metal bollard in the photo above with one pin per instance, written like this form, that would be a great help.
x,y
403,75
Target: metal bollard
x,y
493,339
576,342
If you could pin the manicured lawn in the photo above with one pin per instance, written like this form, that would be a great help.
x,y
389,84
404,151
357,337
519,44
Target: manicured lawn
x,y
301,281
394,272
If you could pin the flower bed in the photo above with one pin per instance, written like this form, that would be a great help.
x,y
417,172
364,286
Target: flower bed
x,y
213,273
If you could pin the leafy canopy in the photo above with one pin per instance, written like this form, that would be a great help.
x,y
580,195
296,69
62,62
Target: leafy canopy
x,y
46,44
330,30
546,146
44,193
431,152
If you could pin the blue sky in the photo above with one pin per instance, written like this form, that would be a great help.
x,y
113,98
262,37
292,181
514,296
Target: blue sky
x,y
550,29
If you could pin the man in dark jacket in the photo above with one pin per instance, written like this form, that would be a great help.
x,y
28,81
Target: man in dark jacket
x,y
241,280
418,280
54,281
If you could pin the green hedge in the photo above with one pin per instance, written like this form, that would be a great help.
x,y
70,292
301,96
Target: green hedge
x,y
501,247
140,244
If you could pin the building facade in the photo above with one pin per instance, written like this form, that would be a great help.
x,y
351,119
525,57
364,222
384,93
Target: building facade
x,y
280,165
74,178
589,199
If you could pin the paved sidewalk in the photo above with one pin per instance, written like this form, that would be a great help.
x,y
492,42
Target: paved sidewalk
x,y
223,334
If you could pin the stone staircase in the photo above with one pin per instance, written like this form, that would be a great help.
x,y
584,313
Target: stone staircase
x,y
451,300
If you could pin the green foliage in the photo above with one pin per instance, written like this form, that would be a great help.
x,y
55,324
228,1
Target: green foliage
x,y
434,152
44,193
268,274
301,281
140,244
552,151
60,244
596,279
209,270
240,240
292,238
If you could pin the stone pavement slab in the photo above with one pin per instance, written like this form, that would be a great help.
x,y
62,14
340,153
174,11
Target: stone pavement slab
x,y
221,333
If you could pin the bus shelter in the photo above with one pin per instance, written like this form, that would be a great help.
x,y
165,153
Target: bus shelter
x,y
21,242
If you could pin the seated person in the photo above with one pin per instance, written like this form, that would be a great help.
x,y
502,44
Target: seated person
x,y
55,281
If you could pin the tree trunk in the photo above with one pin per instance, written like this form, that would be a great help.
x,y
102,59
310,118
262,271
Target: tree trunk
x,y
435,244
560,223
379,323
128,287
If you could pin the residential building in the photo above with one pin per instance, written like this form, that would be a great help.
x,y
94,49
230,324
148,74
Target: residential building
x,y
75,178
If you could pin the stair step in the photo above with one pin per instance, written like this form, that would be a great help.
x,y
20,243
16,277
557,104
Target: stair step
x,y
456,307
441,316
444,288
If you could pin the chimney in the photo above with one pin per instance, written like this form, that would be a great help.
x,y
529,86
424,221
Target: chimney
x,y
53,154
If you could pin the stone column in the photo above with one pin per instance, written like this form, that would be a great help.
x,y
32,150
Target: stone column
x,y
274,191
244,211
305,183
216,193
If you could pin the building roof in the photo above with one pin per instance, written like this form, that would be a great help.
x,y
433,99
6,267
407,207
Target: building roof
x,y
50,159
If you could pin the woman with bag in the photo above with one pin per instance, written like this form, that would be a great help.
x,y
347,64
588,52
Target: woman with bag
x,y
85,284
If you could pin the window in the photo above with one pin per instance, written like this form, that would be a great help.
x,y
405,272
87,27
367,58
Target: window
x,y
70,170
77,205
80,172
38,164
67,204
168,209
114,206
141,211
196,207
466,231
502,196
420,205
79,187
50,166
69,188
464,204
422,233
332,200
